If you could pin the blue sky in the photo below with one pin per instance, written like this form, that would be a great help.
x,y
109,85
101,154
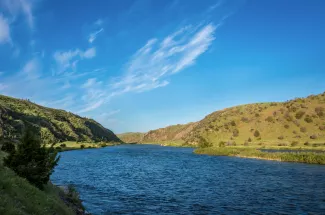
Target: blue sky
x,y
136,65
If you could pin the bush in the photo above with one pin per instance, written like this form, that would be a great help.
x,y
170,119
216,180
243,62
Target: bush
x,y
246,143
286,126
303,129
322,127
306,143
236,132
269,119
244,119
249,139
82,146
8,147
257,133
281,137
314,136
63,145
221,144
299,114
308,119
294,143
288,117
319,111
233,123
32,160
257,115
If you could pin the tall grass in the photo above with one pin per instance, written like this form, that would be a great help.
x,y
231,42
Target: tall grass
x,y
301,157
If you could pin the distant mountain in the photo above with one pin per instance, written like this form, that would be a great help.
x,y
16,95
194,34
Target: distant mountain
x,y
297,122
53,125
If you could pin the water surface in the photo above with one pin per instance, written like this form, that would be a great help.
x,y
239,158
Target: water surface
x,y
150,179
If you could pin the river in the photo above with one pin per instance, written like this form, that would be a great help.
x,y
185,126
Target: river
x,y
151,179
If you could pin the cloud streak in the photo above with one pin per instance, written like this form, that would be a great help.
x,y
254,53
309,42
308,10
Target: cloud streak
x,y
4,30
150,67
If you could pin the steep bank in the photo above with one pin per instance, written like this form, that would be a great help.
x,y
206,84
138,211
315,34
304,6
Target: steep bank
x,y
54,125
18,196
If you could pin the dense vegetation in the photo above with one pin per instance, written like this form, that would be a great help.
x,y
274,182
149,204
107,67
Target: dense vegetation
x,y
54,125
295,123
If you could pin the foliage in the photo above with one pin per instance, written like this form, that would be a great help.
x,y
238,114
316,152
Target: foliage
x,y
32,161
300,114
7,146
257,133
308,119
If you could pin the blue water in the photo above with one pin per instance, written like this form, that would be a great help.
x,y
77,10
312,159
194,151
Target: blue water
x,y
150,179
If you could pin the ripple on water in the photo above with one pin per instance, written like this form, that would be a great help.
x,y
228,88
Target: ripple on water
x,y
149,179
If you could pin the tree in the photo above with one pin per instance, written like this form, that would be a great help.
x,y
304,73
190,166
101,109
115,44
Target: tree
x,y
32,160
256,133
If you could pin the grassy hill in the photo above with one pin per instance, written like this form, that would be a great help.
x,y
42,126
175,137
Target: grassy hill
x,y
172,135
298,122
54,125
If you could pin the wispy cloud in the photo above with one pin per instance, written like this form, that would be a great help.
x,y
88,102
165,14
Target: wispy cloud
x,y
66,60
4,30
152,64
93,36
17,7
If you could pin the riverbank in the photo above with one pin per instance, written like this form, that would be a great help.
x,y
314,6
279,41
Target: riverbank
x,y
70,145
18,196
297,156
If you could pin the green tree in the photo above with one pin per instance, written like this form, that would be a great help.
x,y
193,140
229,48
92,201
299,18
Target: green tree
x,y
32,160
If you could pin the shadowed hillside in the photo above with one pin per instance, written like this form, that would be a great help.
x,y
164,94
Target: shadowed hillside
x,y
54,125
298,122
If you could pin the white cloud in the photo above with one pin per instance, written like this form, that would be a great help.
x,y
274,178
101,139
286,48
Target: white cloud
x,y
2,87
89,53
31,70
17,7
152,64
92,37
4,30
66,60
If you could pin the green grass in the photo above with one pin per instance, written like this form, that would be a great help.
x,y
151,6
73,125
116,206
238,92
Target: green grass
x,y
17,196
301,157
71,145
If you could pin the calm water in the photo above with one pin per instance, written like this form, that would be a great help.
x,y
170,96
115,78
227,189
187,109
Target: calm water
x,y
150,179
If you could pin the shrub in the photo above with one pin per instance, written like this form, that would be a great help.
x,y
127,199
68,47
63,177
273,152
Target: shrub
x,y
299,114
249,139
281,137
319,111
306,143
286,126
221,144
82,146
231,143
236,132
308,119
32,160
246,143
233,123
8,147
257,133
296,122
314,136
288,117
294,143
322,127
303,129
269,119
282,144
244,119
257,115
58,148
63,145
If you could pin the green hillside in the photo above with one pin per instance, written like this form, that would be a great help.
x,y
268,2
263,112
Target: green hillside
x,y
298,122
172,134
54,125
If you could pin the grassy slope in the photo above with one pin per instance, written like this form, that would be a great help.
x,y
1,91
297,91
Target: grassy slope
x,y
19,197
171,135
54,125
276,122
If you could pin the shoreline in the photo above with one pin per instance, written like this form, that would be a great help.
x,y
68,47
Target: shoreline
x,y
254,153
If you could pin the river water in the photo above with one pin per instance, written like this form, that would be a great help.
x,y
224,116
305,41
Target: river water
x,y
151,179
